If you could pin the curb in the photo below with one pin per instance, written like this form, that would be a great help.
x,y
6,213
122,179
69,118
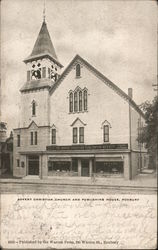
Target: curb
x,y
94,185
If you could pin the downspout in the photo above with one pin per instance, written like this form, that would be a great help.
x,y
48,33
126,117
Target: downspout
x,y
130,136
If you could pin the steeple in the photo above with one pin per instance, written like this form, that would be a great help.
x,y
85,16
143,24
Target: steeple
x,y
42,64
43,45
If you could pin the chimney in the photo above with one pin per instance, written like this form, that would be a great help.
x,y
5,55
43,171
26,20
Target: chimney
x,y
130,92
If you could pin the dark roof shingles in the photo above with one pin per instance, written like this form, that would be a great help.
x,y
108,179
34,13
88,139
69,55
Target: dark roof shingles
x,y
43,44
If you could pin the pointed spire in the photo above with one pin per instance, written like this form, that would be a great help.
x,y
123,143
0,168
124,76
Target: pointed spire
x,y
43,46
43,43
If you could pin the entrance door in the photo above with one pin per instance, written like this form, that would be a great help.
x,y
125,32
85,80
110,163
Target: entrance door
x,y
33,165
85,167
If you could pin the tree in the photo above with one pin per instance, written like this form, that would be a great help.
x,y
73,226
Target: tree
x,y
149,133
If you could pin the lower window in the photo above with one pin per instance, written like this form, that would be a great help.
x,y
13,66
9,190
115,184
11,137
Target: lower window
x,y
103,168
62,168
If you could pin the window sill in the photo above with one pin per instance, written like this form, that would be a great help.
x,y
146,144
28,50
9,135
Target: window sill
x,y
78,143
78,112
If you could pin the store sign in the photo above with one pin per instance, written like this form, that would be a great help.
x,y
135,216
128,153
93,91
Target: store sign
x,y
88,147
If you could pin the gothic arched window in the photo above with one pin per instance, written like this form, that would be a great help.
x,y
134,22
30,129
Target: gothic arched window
x,y
33,108
85,99
106,133
80,101
75,102
78,70
71,102
53,136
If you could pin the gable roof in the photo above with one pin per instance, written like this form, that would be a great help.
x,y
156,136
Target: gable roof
x,y
106,123
43,45
32,123
109,83
78,119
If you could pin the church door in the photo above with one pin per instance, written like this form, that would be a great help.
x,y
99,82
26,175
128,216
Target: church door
x,y
85,167
33,165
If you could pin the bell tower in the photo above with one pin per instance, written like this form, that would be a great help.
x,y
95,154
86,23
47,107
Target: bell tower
x,y
43,62
43,70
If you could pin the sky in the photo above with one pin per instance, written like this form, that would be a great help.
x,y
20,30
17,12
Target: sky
x,y
119,38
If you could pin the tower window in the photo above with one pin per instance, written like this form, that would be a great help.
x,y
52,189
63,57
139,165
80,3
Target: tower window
x,y
71,102
106,133
74,135
78,70
81,135
44,72
85,100
53,136
75,102
33,108
18,140
28,75
80,101
49,73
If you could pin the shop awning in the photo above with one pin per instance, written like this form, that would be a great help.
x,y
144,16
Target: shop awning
x,y
109,158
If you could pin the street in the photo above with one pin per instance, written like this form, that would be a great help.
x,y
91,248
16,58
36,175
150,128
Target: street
x,y
47,188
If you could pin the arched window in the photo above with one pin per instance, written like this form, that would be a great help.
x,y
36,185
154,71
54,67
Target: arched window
x,y
78,70
71,102
33,108
80,101
53,136
106,133
75,102
85,99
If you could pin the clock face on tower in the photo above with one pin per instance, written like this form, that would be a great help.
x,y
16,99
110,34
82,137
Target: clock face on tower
x,y
36,71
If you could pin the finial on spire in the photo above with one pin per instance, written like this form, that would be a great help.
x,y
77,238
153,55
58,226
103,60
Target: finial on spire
x,y
44,11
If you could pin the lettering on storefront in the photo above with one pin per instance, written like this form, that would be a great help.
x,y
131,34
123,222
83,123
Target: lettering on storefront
x,y
88,147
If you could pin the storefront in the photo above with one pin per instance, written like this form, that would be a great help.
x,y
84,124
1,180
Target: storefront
x,y
77,162
62,166
86,165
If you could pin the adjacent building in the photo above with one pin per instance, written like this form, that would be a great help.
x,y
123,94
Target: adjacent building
x,y
74,123
6,150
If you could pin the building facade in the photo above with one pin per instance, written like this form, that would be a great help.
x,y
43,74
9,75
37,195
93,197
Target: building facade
x,y
74,123
6,150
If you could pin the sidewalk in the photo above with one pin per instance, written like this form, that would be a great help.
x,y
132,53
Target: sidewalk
x,y
141,180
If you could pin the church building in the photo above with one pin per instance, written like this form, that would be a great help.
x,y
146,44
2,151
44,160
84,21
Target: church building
x,y
74,122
